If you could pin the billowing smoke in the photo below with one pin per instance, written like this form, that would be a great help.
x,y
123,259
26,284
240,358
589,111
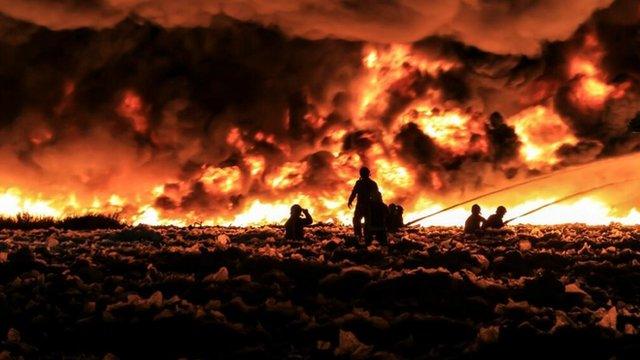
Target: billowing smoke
x,y
212,108
497,26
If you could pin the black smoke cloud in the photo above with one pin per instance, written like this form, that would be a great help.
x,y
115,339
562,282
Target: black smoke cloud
x,y
502,138
582,152
496,26
415,146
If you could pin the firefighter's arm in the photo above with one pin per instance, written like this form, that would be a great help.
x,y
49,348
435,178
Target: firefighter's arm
x,y
307,217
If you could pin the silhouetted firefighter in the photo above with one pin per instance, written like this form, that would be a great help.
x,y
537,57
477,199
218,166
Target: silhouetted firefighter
x,y
363,189
473,225
495,221
376,224
294,227
395,221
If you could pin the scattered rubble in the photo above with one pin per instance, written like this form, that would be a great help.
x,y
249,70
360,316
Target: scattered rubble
x,y
247,293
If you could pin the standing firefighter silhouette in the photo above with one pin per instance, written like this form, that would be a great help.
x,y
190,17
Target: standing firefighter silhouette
x,y
294,227
363,190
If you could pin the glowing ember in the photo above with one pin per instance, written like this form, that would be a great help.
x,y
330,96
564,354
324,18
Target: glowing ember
x,y
132,108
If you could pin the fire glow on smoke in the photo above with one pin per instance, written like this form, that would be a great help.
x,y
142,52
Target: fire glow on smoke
x,y
396,113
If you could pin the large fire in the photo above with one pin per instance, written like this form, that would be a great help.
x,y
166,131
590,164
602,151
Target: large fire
x,y
262,192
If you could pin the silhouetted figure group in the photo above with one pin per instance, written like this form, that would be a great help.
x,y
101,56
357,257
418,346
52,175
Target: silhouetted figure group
x,y
475,223
379,219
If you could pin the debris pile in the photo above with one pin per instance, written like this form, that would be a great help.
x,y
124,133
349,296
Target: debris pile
x,y
247,292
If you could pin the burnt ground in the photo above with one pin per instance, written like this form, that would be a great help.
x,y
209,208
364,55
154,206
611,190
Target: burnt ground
x,y
558,291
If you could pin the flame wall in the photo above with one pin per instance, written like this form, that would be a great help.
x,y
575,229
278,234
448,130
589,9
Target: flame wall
x,y
228,114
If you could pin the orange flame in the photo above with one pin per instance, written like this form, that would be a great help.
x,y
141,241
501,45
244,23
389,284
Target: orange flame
x,y
591,89
541,132
454,130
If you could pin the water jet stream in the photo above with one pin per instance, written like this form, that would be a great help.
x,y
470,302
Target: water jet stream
x,y
570,196
539,178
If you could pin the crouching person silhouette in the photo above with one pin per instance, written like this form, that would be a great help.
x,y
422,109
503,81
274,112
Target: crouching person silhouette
x,y
495,221
377,220
294,227
474,222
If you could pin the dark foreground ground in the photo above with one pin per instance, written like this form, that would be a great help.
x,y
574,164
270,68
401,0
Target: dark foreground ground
x,y
570,291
